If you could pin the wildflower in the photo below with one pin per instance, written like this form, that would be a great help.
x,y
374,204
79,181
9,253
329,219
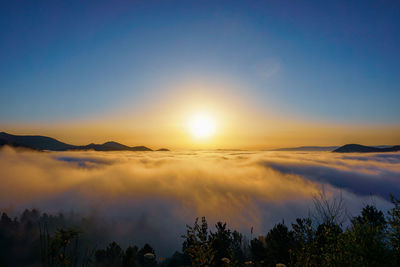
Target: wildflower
x,y
149,256
226,260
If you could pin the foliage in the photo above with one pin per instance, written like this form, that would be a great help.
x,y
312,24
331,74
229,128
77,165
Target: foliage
x,y
321,239
394,228
197,246
61,249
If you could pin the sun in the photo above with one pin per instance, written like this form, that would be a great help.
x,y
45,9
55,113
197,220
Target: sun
x,y
202,125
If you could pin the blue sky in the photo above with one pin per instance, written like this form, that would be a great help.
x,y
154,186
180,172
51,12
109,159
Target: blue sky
x,y
327,61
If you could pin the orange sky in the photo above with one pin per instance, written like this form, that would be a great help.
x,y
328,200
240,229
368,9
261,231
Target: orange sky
x,y
242,121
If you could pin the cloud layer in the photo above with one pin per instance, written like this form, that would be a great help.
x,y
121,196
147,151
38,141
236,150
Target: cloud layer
x,y
150,196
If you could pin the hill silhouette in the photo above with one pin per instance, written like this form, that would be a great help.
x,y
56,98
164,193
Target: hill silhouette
x,y
38,142
307,148
353,148
163,149
34,142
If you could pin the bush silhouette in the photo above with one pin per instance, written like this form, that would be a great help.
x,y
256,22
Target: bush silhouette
x,y
369,239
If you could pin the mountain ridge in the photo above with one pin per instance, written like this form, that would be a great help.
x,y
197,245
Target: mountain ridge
x,y
306,148
356,148
39,142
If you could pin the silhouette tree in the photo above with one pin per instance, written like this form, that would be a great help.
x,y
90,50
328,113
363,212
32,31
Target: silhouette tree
x,y
129,259
147,256
369,240
257,249
238,247
197,246
177,259
365,241
111,256
278,242
221,242
394,228
304,245
371,216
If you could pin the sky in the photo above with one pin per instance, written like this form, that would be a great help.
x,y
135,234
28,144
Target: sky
x,y
271,73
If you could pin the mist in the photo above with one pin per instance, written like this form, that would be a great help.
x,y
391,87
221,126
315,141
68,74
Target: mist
x,y
138,197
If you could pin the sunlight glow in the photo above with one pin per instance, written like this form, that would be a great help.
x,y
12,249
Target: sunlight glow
x,y
202,125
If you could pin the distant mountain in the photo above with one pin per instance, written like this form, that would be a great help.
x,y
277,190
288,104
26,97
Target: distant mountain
x,y
307,148
33,142
349,148
112,146
163,149
38,142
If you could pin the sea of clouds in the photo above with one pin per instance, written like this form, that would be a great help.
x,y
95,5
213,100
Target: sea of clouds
x,y
143,197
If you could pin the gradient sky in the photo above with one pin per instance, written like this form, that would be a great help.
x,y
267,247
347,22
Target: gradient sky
x,y
318,62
